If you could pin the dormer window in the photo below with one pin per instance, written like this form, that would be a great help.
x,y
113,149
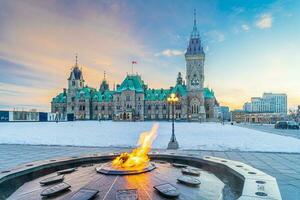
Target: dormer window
x,y
73,83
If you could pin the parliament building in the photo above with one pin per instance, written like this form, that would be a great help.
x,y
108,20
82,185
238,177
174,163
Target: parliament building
x,y
133,100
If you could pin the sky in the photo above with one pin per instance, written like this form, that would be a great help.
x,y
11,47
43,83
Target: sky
x,y
251,46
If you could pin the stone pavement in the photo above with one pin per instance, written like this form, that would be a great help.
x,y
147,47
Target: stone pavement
x,y
269,128
284,166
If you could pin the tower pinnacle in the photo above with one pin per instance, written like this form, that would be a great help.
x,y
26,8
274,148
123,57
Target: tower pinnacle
x,y
76,60
195,18
195,33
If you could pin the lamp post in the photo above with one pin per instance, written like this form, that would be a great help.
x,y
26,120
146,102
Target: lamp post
x,y
172,100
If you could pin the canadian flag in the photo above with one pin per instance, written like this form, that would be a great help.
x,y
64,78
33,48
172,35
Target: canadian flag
x,y
134,62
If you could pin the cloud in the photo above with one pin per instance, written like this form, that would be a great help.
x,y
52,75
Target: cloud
x,y
170,53
265,21
245,27
43,48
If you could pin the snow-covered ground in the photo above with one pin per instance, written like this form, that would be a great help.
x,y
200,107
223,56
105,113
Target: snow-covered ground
x,y
205,136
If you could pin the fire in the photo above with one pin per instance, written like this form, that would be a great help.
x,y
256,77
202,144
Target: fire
x,y
138,158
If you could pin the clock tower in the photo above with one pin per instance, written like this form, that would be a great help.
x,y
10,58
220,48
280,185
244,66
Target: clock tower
x,y
195,57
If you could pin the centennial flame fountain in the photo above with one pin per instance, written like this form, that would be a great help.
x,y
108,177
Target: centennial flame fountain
x,y
135,162
180,173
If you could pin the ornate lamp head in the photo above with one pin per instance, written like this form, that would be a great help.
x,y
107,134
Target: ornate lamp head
x,y
172,98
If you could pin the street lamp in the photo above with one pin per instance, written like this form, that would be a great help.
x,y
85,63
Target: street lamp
x,y
172,100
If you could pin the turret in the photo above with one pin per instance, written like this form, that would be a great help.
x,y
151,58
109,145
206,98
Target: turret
x,y
179,79
104,84
75,83
75,79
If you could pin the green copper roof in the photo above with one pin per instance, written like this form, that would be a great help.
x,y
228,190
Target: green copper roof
x,y
156,94
179,89
60,98
208,94
105,96
132,82
85,92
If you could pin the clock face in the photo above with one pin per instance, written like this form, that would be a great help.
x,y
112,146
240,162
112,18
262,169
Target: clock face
x,y
195,81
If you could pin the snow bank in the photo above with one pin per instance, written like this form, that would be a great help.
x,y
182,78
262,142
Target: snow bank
x,y
205,136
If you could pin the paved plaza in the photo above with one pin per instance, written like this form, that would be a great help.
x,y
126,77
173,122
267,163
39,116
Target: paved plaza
x,y
269,128
284,166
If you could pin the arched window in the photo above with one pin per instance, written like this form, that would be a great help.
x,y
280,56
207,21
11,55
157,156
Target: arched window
x,y
149,107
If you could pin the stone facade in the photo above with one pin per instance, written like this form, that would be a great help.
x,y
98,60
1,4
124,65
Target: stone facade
x,y
133,100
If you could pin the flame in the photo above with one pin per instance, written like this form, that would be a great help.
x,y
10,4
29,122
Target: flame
x,y
138,158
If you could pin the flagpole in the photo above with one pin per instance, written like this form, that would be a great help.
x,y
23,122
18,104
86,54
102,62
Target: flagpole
x,y
132,68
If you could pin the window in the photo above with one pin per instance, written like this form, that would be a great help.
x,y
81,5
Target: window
x,y
127,98
72,108
73,99
178,107
96,107
156,107
164,107
83,107
102,108
149,107
73,83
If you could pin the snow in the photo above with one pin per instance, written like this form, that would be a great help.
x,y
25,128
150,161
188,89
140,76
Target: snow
x,y
204,136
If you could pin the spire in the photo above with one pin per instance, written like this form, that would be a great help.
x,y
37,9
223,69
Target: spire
x,y
195,19
195,33
76,60
104,75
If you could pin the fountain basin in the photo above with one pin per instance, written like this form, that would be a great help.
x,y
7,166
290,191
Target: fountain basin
x,y
220,178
